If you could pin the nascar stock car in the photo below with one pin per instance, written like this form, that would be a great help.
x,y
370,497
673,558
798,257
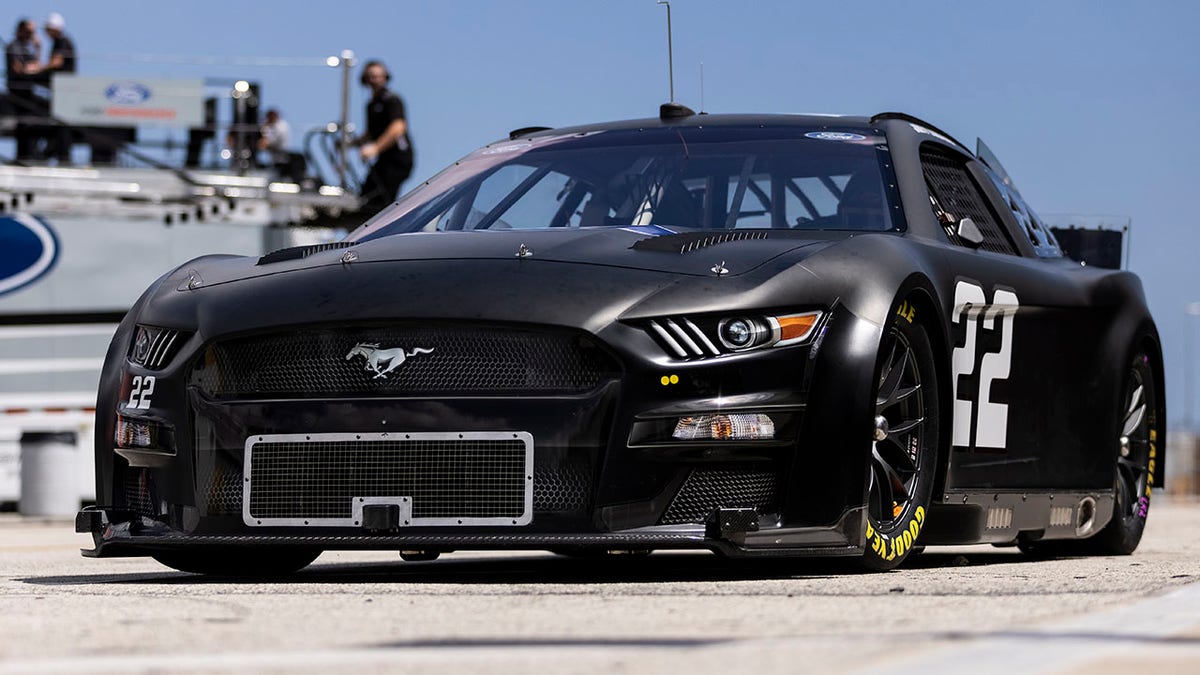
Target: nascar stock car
x,y
762,335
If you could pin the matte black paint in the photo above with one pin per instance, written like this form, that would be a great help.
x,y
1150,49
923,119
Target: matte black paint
x,y
1074,333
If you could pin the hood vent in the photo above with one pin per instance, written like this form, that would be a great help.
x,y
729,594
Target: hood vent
x,y
300,252
687,243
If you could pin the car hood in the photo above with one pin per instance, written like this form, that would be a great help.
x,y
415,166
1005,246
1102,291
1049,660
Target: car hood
x,y
643,248
585,279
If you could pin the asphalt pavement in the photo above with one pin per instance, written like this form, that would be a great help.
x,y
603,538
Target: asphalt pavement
x,y
967,609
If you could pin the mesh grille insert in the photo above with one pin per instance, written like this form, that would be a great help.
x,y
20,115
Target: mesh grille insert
x,y
958,195
386,361
706,490
470,479
139,492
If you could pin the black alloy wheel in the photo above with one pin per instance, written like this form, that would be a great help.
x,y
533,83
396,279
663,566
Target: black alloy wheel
x,y
1137,448
904,445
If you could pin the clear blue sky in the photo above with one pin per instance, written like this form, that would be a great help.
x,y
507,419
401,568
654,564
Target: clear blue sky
x,y
1089,104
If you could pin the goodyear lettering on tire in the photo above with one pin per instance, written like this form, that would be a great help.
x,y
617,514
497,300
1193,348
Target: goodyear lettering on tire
x,y
901,540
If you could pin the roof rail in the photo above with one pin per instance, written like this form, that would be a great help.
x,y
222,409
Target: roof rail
x,y
905,117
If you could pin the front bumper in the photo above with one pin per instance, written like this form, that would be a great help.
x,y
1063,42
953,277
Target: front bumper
x,y
598,484
131,536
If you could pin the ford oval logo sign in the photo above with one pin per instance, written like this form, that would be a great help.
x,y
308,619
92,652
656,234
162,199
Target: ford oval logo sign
x,y
28,250
127,93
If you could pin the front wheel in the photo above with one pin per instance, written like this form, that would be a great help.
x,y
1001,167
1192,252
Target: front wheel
x,y
904,445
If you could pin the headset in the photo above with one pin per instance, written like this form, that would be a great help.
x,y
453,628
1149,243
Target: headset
x,y
387,74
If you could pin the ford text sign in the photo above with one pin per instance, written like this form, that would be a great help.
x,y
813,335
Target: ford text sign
x,y
127,93
106,101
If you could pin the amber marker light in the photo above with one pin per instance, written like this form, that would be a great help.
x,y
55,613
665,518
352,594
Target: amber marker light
x,y
794,328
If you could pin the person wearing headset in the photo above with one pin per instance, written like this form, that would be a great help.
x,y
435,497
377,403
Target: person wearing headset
x,y
386,142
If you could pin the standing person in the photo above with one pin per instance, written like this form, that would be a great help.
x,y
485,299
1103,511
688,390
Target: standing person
x,y
62,47
21,70
273,139
61,60
387,141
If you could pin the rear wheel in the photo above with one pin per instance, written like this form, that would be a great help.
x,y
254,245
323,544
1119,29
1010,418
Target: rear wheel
x,y
1136,449
904,445
239,562
1136,446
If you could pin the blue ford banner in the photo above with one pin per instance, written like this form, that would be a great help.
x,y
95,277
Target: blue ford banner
x,y
28,250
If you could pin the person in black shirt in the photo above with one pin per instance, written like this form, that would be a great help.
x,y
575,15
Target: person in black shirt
x,y
386,141
62,47
62,60
22,71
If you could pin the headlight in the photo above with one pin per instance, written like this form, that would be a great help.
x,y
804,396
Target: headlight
x,y
691,337
153,347
738,334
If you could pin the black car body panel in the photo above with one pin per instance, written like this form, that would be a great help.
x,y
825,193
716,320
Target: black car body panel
x,y
558,332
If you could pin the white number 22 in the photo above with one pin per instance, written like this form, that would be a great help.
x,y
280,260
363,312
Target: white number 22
x,y
141,389
970,303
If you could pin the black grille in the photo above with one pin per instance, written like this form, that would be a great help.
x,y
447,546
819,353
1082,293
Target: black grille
x,y
444,478
384,361
959,196
562,486
222,485
139,492
706,490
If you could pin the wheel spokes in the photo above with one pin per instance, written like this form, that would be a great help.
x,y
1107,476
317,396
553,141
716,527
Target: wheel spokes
x,y
905,427
891,485
1135,413
889,388
896,456
899,415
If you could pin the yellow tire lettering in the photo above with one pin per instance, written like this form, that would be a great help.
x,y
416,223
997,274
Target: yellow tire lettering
x,y
920,515
908,540
914,528
870,530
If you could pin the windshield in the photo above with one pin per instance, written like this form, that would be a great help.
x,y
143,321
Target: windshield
x,y
715,178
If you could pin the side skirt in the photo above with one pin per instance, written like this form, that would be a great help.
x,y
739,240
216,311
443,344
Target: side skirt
x,y
998,517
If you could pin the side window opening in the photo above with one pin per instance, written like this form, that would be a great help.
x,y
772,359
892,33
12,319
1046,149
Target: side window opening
x,y
1040,236
954,195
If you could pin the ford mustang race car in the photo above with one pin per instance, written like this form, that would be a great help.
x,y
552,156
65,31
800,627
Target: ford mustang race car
x,y
761,335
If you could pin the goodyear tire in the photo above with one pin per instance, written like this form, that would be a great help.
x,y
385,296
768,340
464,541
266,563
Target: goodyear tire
x,y
239,562
1137,453
904,443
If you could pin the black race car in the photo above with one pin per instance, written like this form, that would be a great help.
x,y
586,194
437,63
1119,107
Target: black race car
x,y
763,335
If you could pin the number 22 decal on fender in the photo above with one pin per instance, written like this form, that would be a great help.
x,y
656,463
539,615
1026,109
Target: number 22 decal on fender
x,y
140,391
978,421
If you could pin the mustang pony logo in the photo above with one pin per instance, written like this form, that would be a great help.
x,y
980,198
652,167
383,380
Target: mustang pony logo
x,y
383,361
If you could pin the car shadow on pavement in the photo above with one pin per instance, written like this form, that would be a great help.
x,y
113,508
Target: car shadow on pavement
x,y
539,568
